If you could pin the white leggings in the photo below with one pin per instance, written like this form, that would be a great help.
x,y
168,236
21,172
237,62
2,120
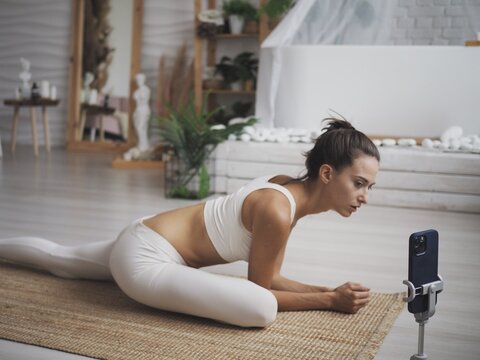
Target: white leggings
x,y
150,270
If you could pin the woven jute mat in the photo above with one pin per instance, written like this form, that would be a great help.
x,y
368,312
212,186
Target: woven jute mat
x,y
94,318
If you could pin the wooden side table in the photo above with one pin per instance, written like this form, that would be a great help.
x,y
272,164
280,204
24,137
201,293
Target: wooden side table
x,y
87,109
43,103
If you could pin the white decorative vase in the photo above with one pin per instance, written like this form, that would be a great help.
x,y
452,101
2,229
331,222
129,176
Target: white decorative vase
x,y
26,91
236,86
236,24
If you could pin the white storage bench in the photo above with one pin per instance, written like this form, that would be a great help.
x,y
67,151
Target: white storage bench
x,y
408,177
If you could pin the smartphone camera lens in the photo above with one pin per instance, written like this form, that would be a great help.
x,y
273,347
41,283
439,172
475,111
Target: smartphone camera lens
x,y
420,245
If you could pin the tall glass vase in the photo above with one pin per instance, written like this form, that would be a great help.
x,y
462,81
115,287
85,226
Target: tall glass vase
x,y
187,182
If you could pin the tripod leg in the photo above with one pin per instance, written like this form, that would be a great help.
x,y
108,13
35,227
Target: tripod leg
x,y
421,338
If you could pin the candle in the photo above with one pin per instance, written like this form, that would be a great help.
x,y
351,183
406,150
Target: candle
x,y
53,92
45,89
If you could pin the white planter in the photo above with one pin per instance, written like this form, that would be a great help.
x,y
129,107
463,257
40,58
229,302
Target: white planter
x,y
236,24
236,86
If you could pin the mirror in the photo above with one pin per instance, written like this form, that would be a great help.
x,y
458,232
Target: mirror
x,y
104,59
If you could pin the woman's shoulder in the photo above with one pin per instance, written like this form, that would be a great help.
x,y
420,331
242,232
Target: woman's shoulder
x,y
269,201
280,179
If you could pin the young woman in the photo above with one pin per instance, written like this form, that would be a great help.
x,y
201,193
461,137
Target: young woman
x,y
155,259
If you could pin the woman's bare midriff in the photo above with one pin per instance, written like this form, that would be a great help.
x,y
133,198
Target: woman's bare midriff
x,y
185,229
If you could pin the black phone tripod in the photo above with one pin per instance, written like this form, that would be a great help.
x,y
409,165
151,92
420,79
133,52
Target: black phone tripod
x,y
430,289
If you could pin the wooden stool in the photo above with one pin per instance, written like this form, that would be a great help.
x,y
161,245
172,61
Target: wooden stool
x,y
87,109
17,104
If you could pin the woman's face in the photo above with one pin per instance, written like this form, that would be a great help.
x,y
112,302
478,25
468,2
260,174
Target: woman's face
x,y
349,188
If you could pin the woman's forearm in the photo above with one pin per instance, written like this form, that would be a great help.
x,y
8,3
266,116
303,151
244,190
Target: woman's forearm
x,y
282,283
290,301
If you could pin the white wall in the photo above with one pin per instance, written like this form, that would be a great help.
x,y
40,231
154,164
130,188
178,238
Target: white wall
x,y
435,22
383,90
40,32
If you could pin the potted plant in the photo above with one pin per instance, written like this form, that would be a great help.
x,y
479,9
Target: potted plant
x,y
251,23
238,109
237,11
230,73
237,70
248,69
275,10
192,138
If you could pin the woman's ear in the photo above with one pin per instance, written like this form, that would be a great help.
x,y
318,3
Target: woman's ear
x,y
325,173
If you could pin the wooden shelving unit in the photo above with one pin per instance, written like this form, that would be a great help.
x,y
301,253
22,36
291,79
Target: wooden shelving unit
x,y
210,45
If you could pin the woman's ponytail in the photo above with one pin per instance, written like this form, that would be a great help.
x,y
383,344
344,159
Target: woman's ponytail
x,y
337,124
338,146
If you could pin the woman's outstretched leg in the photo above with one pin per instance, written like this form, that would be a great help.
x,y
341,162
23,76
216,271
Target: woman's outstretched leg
x,y
89,261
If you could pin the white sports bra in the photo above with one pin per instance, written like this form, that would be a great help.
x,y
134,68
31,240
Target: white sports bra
x,y
223,219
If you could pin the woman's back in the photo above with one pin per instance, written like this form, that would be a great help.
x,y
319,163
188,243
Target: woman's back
x,y
219,231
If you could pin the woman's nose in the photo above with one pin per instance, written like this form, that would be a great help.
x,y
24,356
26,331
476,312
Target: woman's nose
x,y
364,198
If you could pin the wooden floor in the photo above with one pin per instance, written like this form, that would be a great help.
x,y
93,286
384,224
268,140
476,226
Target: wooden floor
x,y
73,198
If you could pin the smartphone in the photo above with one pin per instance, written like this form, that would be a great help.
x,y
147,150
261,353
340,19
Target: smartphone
x,y
422,266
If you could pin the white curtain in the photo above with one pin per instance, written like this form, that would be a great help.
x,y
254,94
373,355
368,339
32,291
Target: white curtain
x,y
314,22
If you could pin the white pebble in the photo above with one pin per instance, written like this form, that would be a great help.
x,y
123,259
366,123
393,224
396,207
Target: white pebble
x,y
427,143
389,142
259,137
237,120
444,146
272,137
232,137
283,138
407,142
298,132
454,144
466,140
437,143
250,130
218,127
453,132
245,137
264,132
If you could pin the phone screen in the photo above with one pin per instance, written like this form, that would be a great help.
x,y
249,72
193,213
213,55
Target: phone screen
x,y
422,265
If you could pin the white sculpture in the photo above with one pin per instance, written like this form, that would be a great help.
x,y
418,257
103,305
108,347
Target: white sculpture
x,y
142,112
25,76
85,95
140,119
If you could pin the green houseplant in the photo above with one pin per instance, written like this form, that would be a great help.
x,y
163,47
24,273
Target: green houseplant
x,y
237,11
193,138
241,68
275,10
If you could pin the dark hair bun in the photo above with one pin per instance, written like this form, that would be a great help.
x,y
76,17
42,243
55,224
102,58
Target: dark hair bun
x,y
337,124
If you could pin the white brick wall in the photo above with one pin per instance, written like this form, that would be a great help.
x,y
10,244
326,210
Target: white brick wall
x,y
432,22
